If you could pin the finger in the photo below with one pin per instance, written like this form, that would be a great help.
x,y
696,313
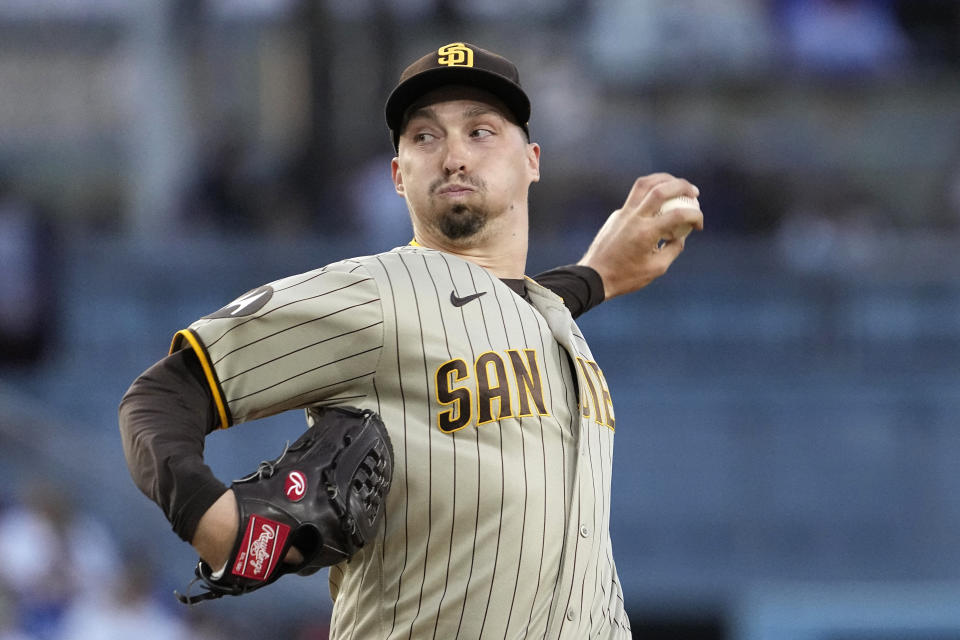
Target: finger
x,y
293,556
642,185
668,190
660,192
680,217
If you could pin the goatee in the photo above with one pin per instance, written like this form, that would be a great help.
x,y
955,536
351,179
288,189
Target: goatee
x,y
461,221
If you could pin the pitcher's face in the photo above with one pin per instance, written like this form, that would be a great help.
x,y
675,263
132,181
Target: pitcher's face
x,y
462,162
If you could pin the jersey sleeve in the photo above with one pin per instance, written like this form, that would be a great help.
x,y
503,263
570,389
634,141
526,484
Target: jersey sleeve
x,y
295,342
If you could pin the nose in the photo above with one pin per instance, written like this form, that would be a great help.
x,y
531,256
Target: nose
x,y
455,158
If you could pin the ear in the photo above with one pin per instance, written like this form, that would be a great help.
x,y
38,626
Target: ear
x,y
533,161
397,176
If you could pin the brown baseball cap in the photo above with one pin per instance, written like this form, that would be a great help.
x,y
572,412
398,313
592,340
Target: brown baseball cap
x,y
457,63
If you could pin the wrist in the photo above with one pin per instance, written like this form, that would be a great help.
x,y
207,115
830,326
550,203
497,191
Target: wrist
x,y
217,531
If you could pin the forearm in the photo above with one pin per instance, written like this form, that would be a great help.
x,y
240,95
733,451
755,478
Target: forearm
x,y
164,418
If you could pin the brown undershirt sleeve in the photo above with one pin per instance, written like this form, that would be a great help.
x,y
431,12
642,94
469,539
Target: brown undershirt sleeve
x,y
164,417
580,287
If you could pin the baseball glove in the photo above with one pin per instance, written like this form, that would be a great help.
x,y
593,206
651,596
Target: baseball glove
x,y
324,495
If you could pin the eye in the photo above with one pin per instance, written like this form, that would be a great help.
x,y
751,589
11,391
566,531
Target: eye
x,y
481,133
423,137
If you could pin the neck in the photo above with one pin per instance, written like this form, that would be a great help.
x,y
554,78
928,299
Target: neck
x,y
500,247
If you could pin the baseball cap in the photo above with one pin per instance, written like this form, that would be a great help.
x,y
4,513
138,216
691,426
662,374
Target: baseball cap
x,y
457,63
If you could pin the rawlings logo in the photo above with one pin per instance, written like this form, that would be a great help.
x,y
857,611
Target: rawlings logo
x,y
259,550
259,555
296,486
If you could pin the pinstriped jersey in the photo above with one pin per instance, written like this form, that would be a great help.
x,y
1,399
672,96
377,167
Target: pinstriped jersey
x,y
502,424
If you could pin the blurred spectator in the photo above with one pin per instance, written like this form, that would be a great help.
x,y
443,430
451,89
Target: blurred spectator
x,y
839,229
52,553
933,27
211,624
128,611
566,93
739,202
314,631
950,195
379,214
27,293
648,41
9,623
365,10
843,36
223,198
493,9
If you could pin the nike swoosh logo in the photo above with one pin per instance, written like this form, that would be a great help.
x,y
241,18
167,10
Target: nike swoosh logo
x,y
459,302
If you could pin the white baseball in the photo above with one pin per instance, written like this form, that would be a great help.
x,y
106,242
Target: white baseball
x,y
682,231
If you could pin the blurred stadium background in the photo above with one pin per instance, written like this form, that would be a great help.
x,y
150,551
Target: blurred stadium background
x,y
788,450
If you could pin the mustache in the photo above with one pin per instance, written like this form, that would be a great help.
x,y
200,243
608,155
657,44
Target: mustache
x,y
468,181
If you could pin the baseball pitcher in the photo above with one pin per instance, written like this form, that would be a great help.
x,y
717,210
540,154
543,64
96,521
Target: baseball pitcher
x,y
455,473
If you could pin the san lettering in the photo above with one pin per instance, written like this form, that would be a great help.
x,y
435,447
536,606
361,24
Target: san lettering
x,y
505,385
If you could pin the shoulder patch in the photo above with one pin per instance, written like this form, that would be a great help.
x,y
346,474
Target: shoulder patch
x,y
247,304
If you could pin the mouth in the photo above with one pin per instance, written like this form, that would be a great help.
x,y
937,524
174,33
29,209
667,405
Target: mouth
x,y
454,191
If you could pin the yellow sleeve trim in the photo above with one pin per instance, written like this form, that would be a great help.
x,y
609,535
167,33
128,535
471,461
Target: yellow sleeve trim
x,y
198,349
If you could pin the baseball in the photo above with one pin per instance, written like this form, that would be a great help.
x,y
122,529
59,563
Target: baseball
x,y
682,231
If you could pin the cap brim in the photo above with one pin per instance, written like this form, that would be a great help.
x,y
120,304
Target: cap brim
x,y
412,89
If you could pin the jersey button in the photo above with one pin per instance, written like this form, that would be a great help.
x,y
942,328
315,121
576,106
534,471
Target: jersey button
x,y
571,614
584,531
